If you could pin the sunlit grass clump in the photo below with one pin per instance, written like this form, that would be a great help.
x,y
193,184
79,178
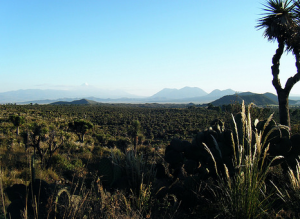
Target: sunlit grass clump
x,y
244,195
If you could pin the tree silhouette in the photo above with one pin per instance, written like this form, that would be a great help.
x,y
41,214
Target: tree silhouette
x,y
80,127
281,24
135,134
17,121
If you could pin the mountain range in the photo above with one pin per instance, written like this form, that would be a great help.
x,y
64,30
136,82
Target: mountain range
x,y
167,95
33,95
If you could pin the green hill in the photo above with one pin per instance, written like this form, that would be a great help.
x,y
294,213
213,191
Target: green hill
x,y
258,99
248,97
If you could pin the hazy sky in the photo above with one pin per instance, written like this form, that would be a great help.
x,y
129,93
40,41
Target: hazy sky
x,y
140,46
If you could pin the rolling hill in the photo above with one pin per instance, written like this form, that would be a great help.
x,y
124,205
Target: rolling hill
x,y
77,102
248,97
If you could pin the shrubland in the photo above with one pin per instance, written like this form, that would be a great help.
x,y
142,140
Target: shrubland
x,y
135,161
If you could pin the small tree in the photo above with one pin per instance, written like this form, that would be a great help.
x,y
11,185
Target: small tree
x,y
135,133
45,139
17,121
36,133
80,127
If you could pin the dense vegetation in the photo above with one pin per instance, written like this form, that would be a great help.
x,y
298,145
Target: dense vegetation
x,y
122,161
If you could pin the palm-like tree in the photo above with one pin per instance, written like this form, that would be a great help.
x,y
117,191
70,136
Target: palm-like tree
x,y
80,127
17,121
281,24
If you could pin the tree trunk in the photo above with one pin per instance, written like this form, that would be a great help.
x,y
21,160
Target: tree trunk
x,y
283,94
82,139
79,137
33,168
283,101
136,139
39,151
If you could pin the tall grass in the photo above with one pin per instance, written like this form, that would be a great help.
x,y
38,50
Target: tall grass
x,y
244,195
140,175
2,194
291,193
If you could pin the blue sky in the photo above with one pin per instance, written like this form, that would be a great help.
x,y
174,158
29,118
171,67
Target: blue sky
x,y
139,46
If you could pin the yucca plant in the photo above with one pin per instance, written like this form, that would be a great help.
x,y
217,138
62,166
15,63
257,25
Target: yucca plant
x,y
243,195
140,203
140,175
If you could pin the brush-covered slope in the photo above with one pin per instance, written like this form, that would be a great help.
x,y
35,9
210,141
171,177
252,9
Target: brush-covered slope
x,y
258,99
76,102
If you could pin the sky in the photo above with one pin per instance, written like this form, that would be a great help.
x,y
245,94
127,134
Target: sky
x,y
139,46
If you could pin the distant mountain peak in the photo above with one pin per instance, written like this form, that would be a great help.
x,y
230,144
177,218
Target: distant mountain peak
x,y
218,92
185,92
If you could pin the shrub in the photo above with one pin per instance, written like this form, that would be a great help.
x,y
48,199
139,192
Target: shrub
x,y
244,195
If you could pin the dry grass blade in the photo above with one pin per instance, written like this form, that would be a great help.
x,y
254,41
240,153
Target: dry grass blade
x,y
267,123
235,129
277,127
216,145
234,150
295,178
212,157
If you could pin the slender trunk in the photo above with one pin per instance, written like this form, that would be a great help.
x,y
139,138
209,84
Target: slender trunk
x,y
275,67
50,156
282,94
17,132
283,101
79,136
82,139
33,167
136,139
40,152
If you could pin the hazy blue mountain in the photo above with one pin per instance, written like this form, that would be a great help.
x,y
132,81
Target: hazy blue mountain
x,y
294,97
29,95
167,95
173,94
220,93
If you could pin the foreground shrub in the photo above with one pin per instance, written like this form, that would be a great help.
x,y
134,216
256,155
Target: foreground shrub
x,y
244,195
